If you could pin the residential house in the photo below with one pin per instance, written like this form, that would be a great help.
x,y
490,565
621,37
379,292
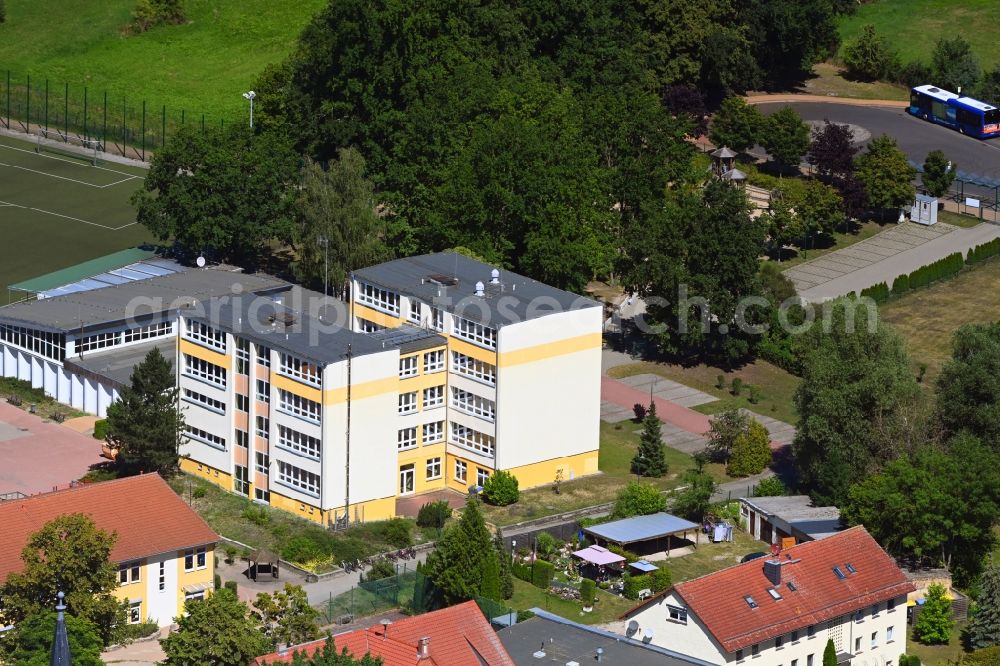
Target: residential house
x,y
773,519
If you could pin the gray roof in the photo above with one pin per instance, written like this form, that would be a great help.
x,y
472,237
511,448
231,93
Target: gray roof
x,y
564,641
515,299
724,153
734,174
799,512
317,330
115,365
140,300
641,528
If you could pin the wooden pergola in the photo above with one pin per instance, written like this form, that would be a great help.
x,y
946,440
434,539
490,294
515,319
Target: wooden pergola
x,y
264,558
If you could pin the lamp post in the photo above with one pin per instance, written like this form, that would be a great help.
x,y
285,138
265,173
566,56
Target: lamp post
x,y
513,549
325,243
250,96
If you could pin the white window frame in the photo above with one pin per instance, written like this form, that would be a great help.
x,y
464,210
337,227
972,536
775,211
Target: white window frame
x,y
262,427
482,476
473,368
263,356
437,319
195,559
300,370
298,443
409,366
262,462
433,396
303,408
888,634
135,612
474,332
413,311
211,404
205,335
470,438
407,403
406,439
130,572
301,480
434,361
433,469
433,432
262,391
367,326
204,437
461,471
677,614
204,371
377,298
49,345
470,403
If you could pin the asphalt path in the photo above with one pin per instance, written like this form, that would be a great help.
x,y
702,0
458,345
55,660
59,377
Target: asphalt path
x,y
915,137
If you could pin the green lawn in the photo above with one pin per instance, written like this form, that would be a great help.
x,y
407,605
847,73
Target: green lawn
x,y
711,557
607,608
913,26
931,655
777,386
828,80
958,220
825,243
202,66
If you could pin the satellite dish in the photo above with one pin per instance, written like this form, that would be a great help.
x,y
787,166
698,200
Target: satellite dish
x,y
200,261
647,635
633,627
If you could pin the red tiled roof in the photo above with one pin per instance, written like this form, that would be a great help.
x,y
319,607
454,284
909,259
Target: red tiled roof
x,y
459,636
718,598
148,517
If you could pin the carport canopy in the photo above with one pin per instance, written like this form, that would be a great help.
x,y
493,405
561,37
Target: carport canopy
x,y
598,555
642,528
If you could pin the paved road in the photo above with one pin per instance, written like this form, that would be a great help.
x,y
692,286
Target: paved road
x,y
916,137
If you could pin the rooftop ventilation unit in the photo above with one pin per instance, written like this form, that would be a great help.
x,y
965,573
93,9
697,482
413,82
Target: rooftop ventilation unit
x,y
494,276
283,318
480,289
443,280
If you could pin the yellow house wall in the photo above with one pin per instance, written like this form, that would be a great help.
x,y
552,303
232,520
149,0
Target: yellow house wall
x,y
418,457
196,576
188,347
542,473
218,477
294,506
298,388
550,349
376,316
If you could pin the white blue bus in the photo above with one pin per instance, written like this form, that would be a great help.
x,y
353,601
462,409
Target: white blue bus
x,y
967,115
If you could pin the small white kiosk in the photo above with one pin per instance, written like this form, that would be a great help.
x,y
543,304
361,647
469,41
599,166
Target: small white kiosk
x,y
924,210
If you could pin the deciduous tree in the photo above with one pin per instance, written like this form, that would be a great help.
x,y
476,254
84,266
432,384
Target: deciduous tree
x,y
638,499
144,423
649,459
934,623
693,500
818,207
970,382
751,451
328,655
785,137
723,430
954,64
870,57
737,125
216,631
30,642
832,150
784,227
70,555
285,616
886,175
938,174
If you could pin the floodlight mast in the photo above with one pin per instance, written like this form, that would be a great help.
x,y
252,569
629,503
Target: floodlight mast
x,y
250,96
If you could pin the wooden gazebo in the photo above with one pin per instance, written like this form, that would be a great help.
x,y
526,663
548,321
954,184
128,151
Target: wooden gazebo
x,y
262,558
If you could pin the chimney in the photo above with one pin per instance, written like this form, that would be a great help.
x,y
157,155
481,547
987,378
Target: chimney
x,y
772,569
494,276
424,648
480,289
282,649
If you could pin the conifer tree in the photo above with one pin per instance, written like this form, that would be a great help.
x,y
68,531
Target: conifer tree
x,y
984,629
506,575
650,458
830,654
464,565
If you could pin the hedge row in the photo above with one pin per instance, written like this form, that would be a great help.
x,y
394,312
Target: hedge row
x,y
539,574
656,581
983,252
925,275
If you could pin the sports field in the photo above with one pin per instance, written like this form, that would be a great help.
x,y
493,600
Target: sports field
x,y
57,210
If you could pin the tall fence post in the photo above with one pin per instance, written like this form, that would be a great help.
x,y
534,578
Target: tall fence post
x,y
123,126
163,127
143,130
46,105
8,99
27,107
85,135
104,128
66,111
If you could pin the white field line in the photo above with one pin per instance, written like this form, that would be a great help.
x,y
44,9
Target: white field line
x,y
75,163
67,217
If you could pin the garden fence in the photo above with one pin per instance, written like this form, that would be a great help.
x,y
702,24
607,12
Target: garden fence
x,y
130,127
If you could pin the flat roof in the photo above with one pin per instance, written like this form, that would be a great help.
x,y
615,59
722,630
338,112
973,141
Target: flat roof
x,y
975,104
564,642
116,365
308,325
641,528
448,280
799,512
937,93
82,270
144,299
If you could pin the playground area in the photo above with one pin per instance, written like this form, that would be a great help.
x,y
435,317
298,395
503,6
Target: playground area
x,y
57,208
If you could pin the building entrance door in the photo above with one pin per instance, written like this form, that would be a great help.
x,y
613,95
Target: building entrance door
x,y
406,476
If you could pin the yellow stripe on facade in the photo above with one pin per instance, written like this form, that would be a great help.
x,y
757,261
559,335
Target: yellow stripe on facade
x,y
297,388
362,390
551,349
376,316
543,473
188,347
471,350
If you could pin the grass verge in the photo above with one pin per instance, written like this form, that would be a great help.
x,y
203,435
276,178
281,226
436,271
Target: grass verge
x,y
828,79
826,243
607,607
930,655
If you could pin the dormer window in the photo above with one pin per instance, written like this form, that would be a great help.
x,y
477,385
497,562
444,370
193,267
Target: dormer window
x,y
840,574
750,602
850,568
791,586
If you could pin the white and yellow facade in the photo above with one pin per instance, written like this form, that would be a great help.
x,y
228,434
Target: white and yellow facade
x,y
156,587
409,397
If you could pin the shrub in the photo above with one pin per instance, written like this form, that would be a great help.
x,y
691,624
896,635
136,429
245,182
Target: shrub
x,y
901,285
301,549
737,386
101,429
3,11
256,514
231,586
521,571
588,589
381,568
627,554
199,492
639,410
751,452
769,487
546,544
660,579
501,488
638,499
395,531
983,657
218,582
754,396
634,584
984,251
720,381
542,573
934,623
877,292
150,13
434,514
133,632
230,552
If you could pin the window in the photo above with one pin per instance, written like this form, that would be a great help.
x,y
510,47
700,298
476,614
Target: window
x,y
678,614
297,442
242,403
473,332
263,463
437,319
407,402
263,391
406,479
888,634
433,397
204,371
850,568
300,370
261,495
297,478
779,642
890,605
795,662
263,427
755,650
140,333
795,636
461,470
433,432
874,640
205,335
242,438
791,586
406,439
482,476
811,631
380,299
296,405
129,572
241,480
840,574
194,559
408,367
135,612
739,655
473,368
874,610
194,596
98,341
471,439
809,660
204,437
859,616
163,576
50,345
264,356
413,312
242,356
470,403
774,593
750,602
368,326
204,401
433,468
857,645
434,361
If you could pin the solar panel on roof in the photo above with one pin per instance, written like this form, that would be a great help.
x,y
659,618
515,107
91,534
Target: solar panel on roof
x,y
132,274
111,278
150,269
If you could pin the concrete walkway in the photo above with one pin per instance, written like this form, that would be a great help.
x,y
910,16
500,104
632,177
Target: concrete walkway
x,y
883,258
